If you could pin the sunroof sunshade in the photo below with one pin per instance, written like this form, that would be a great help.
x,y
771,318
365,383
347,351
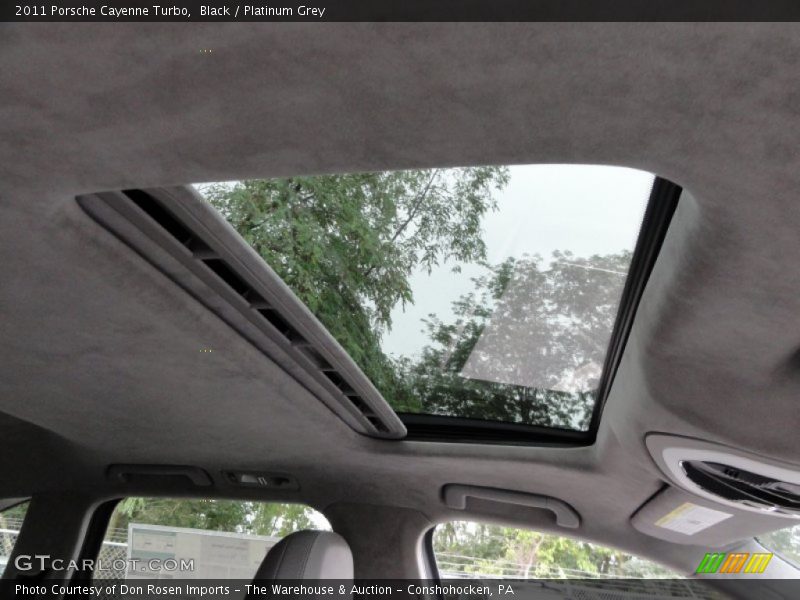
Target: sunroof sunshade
x,y
483,293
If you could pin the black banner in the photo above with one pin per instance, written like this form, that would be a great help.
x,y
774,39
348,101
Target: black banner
x,y
399,10
450,589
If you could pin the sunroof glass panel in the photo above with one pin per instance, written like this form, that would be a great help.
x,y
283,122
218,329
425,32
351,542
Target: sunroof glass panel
x,y
487,293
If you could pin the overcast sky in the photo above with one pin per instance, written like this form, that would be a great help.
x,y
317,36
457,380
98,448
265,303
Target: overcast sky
x,y
584,209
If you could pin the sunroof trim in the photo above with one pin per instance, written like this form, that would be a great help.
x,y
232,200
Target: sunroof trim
x,y
661,206
442,428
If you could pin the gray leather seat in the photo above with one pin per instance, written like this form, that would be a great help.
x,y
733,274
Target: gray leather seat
x,y
308,555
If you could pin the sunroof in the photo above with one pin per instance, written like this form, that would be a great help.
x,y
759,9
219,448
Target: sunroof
x,y
485,293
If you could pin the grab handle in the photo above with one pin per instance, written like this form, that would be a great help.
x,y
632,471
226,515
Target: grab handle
x,y
125,473
455,496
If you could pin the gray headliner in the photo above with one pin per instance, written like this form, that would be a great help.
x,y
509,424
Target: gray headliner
x,y
100,359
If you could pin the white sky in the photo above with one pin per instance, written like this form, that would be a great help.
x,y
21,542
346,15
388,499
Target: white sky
x,y
584,209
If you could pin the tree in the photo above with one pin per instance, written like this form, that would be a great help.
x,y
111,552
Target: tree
x,y
211,515
525,332
467,547
347,244
256,518
11,520
280,519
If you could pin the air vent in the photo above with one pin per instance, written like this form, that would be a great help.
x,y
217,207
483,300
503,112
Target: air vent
x,y
262,300
750,489
158,474
165,219
280,324
224,272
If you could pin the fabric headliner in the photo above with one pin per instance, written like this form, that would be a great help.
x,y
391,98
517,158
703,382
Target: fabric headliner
x,y
100,360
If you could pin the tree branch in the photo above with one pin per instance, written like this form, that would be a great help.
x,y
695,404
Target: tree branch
x,y
412,212
274,206
417,203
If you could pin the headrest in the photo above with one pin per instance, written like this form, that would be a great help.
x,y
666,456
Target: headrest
x,y
308,555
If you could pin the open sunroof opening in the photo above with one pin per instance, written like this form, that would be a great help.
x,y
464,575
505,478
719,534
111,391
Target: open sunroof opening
x,y
486,294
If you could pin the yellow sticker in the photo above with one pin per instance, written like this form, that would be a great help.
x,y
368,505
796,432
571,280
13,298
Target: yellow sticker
x,y
689,518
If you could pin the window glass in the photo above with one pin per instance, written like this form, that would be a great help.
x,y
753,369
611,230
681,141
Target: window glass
x,y
785,542
196,539
482,292
479,551
10,524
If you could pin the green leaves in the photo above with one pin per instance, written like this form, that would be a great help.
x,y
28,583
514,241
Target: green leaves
x,y
212,515
468,547
280,519
256,518
362,235
348,244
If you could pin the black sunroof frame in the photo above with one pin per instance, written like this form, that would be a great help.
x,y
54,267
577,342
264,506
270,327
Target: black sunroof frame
x,y
661,205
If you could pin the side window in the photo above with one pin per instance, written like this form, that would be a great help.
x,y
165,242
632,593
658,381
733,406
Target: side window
x,y
785,542
10,524
479,551
196,539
